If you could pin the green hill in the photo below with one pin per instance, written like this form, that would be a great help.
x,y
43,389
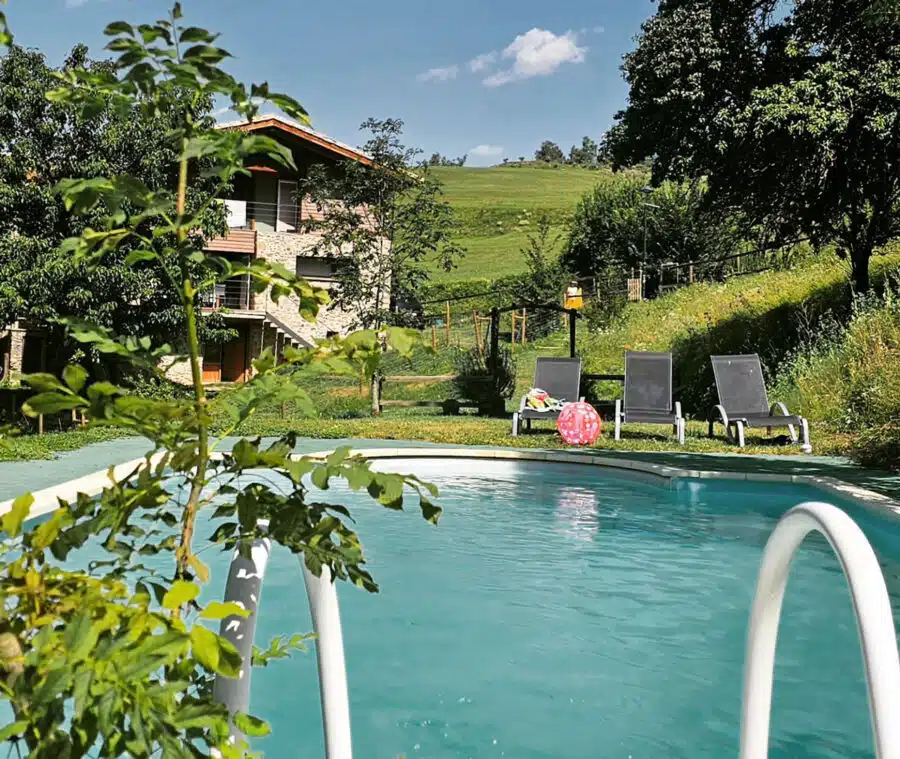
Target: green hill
x,y
498,206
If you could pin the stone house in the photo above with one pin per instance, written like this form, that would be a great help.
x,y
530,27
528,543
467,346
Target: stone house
x,y
265,218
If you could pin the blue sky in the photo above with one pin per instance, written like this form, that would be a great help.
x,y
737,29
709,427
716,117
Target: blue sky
x,y
491,78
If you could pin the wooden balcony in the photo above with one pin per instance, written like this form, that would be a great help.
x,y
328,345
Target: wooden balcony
x,y
234,241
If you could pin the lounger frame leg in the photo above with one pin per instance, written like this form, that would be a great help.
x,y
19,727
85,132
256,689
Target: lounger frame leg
x,y
804,428
618,414
515,424
739,429
681,426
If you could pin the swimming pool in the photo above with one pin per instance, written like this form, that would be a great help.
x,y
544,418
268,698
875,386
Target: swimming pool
x,y
573,611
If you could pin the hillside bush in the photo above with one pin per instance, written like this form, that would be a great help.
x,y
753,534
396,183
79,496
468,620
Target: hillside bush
x,y
849,379
778,314
475,381
610,223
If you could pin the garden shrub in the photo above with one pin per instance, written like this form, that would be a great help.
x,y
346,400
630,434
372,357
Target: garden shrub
x,y
475,381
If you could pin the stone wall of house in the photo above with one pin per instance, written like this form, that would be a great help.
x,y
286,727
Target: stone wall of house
x,y
16,350
284,248
178,370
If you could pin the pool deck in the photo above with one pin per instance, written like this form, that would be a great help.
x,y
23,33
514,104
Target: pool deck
x,y
18,477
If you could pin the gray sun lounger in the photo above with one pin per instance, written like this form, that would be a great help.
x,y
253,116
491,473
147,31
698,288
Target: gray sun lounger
x,y
561,378
648,393
744,403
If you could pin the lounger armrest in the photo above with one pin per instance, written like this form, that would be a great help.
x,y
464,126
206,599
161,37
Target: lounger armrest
x,y
721,412
781,407
678,410
523,403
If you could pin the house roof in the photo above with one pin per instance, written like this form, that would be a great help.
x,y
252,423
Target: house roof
x,y
296,129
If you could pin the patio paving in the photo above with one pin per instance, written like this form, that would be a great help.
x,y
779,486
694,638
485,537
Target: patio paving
x,y
17,477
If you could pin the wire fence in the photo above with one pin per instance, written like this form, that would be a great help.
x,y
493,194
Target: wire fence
x,y
463,321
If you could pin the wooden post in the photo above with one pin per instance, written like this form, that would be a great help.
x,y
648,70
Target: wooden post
x,y
74,418
523,326
40,424
377,380
433,337
691,274
478,340
83,419
512,328
495,340
572,316
447,323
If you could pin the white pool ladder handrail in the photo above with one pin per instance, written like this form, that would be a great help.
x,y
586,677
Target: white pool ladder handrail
x,y
244,587
874,619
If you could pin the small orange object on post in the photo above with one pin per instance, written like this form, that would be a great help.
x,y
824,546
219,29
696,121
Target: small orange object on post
x,y
574,297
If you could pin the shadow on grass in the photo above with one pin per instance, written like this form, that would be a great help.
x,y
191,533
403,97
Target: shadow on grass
x,y
774,334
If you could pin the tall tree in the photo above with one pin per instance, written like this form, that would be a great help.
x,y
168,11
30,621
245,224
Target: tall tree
x,y
42,142
790,110
549,152
586,154
384,224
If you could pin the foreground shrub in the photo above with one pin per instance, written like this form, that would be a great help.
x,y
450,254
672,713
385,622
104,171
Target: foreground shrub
x,y
878,447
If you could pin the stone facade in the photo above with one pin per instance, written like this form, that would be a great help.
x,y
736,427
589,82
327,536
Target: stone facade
x,y
283,248
178,369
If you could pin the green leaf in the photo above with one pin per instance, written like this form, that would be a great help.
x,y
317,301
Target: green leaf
x,y
358,476
75,376
80,637
18,513
430,511
13,729
51,403
251,726
118,27
319,477
199,715
196,34
214,652
179,594
217,610
140,255
401,340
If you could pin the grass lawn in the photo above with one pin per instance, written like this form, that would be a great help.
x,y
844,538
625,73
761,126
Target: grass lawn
x,y
473,430
498,206
27,447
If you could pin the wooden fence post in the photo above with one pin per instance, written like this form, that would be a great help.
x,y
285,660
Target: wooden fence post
x,y
433,337
40,424
479,339
523,326
447,325
495,341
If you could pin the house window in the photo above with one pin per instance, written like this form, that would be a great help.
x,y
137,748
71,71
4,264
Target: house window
x,y
316,268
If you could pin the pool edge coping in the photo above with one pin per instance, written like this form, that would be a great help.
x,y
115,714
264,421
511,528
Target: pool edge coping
x,y
47,499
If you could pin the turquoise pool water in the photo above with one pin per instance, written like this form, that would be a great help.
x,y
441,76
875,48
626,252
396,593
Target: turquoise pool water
x,y
573,613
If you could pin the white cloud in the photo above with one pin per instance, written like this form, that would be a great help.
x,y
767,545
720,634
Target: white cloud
x,y
75,3
538,52
482,62
486,151
442,74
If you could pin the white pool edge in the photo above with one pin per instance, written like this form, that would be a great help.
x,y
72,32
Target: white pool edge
x,y
47,499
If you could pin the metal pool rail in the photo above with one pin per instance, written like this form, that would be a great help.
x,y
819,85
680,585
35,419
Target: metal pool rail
x,y
873,617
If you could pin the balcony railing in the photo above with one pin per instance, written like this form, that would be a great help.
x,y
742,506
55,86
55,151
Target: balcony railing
x,y
251,214
233,294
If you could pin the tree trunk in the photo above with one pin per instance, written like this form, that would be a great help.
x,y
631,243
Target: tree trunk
x,y
859,266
